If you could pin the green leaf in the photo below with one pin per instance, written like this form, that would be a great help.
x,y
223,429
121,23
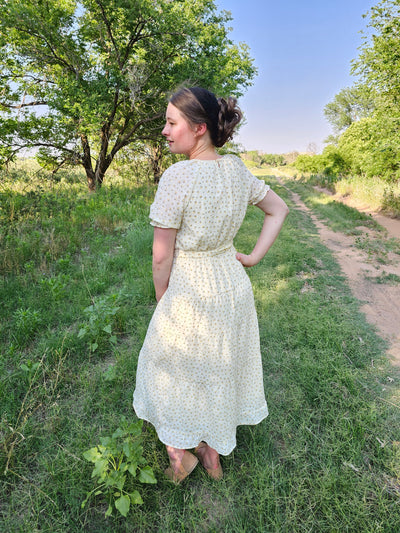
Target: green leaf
x,y
110,374
132,469
135,429
120,482
122,504
94,346
113,339
107,328
85,500
146,475
115,479
127,448
135,497
106,441
109,511
82,333
92,455
100,468
119,432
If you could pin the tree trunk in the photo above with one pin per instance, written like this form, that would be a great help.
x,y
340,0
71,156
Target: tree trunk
x,y
95,177
100,173
91,180
87,164
156,159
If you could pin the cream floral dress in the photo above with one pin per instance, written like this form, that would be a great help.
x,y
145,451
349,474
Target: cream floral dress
x,y
199,372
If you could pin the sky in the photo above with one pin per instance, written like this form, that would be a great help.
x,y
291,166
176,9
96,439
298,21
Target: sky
x,y
303,51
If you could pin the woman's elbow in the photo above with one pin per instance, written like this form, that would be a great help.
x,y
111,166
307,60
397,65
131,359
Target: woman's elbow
x,y
158,260
161,257
285,210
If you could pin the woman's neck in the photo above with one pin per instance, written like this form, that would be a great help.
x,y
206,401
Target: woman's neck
x,y
205,151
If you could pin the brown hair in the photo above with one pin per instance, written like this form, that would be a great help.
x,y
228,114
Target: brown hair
x,y
200,106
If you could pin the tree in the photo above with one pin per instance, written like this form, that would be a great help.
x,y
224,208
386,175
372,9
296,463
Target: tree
x,y
348,106
81,80
273,160
368,115
309,163
378,65
371,147
329,163
332,162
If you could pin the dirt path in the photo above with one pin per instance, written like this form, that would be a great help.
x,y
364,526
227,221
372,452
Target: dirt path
x,y
392,225
380,301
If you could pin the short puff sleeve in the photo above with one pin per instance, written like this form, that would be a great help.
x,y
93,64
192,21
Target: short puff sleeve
x,y
171,198
258,188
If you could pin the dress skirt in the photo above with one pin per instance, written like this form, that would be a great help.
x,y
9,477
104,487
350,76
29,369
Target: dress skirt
x,y
199,372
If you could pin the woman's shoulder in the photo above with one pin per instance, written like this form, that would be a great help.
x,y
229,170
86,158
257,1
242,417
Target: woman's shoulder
x,y
180,176
192,165
234,159
236,162
178,168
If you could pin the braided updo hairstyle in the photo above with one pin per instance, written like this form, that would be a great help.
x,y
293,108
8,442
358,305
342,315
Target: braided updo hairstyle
x,y
201,106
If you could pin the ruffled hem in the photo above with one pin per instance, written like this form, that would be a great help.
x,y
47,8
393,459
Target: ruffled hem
x,y
184,442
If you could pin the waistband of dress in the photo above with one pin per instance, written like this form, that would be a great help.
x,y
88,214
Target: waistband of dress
x,y
205,253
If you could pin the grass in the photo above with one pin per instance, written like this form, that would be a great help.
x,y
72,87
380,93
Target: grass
x,y
376,194
325,460
392,279
337,215
350,221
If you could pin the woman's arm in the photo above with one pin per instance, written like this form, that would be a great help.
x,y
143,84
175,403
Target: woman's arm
x,y
275,211
163,255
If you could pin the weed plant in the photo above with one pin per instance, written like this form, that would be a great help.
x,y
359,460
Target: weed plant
x,y
391,202
325,460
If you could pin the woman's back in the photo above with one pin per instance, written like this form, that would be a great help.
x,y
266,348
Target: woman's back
x,y
206,200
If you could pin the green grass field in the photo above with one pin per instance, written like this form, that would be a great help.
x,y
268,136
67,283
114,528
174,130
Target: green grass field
x,y
327,459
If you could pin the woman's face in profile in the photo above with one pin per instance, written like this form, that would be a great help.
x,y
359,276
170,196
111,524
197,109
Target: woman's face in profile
x,y
180,135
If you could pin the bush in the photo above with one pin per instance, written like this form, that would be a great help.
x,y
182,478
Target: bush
x,y
330,163
391,202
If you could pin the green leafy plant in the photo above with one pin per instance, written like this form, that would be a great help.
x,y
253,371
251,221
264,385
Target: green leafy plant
x,y
30,368
100,321
56,286
118,463
27,322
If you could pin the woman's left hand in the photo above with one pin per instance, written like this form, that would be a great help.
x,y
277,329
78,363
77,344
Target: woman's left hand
x,y
246,260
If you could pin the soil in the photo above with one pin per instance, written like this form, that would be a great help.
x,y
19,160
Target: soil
x,y
379,301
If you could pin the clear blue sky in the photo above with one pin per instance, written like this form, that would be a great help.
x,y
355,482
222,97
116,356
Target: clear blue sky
x,y
303,52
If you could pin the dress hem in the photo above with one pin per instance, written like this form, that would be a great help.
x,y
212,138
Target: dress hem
x,y
221,450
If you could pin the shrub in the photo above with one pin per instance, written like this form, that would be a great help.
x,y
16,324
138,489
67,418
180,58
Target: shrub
x,y
118,462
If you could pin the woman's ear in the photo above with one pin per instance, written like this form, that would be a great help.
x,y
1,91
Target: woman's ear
x,y
200,129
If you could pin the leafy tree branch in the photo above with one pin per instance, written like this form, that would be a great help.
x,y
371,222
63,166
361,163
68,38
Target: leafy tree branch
x,y
82,80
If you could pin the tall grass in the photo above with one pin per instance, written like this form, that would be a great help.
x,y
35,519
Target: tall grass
x,y
375,194
327,457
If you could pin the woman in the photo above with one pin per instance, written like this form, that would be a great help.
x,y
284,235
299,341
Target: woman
x,y
199,373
